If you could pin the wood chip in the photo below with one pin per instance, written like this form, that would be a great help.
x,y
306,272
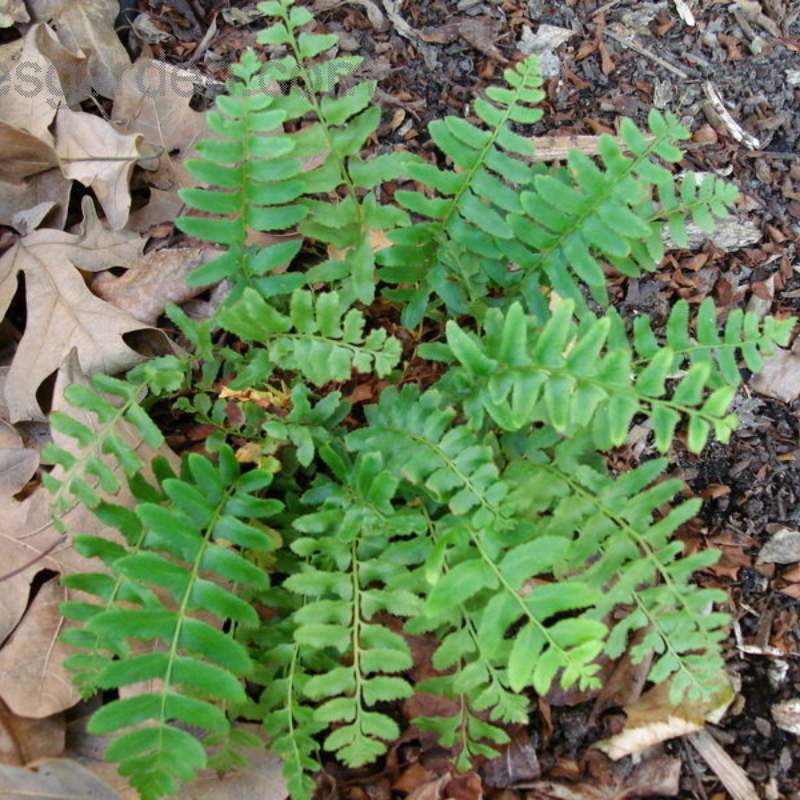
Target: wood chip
x,y
732,776
737,132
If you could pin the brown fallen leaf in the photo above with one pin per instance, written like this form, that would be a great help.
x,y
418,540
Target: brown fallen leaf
x,y
164,206
62,312
658,776
93,152
55,779
482,33
17,463
154,100
23,154
12,12
33,682
32,89
262,779
653,718
374,14
50,187
780,375
23,740
517,763
783,547
87,26
160,278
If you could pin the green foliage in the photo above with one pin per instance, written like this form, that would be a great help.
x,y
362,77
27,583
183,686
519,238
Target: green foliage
x,y
478,512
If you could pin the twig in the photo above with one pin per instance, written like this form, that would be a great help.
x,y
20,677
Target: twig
x,y
733,777
46,552
556,148
737,132
634,45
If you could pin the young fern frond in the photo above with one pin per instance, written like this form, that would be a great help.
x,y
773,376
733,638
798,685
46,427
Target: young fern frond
x,y
468,217
338,582
572,375
316,339
615,212
108,438
744,337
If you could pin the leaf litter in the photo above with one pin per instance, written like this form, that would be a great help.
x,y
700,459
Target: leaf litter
x,y
80,315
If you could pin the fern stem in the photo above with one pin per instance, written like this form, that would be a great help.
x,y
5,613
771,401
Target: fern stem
x,y
646,550
476,539
326,127
600,197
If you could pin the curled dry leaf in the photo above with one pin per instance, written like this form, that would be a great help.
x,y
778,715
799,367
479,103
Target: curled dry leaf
x,y
786,715
93,152
22,154
32,88
158,279
374,14
782,548
658,776
12,12
780,375
87,26
482,33
653,718
61,311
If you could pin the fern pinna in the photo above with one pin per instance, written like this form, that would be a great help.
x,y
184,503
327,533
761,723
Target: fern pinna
x,y
277,575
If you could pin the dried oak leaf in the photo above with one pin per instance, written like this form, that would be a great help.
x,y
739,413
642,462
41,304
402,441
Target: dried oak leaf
x,y
783,547
93,152
32,92
158,279
87,26
12,12
658,776
154,100
23,154
57,778
653,718
22,739
61,311
780,375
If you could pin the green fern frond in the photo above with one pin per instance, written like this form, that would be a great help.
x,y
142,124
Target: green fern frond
x,y
108,439
316,339
175,547
571,376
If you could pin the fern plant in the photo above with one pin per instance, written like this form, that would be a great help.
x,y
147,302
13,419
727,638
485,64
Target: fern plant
x,y
276,576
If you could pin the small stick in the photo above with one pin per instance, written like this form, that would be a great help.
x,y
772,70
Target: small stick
x,y
737,132
556,148
634,45
732,776
606,7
